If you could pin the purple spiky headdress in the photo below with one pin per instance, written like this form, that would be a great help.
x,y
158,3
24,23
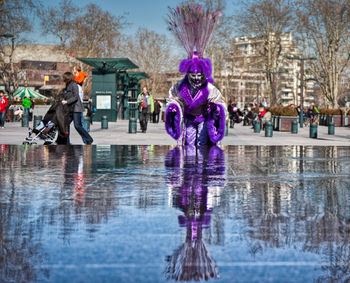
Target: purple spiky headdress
x,y
193,27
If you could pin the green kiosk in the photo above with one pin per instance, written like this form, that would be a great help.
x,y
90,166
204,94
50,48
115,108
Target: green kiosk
x,y
110,86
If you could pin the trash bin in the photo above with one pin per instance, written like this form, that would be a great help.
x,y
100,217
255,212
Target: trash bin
x,y
87,123
268,129
37,120
25,120
257,126
104,122
313,130
294,127
132,125
331,128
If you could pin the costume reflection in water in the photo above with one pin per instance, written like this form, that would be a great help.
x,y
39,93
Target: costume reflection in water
x,y
196,176
196,110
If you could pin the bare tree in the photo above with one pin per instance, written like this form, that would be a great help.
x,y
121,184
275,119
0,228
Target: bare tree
x,y
151,52
96,32
59,22
266,22
325,32
15,22
83,32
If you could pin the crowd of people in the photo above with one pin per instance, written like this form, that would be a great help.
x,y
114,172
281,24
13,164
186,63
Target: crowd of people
x,y
261,112
15,109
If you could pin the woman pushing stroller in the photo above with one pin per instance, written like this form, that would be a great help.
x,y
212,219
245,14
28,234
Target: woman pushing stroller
x,y
71,98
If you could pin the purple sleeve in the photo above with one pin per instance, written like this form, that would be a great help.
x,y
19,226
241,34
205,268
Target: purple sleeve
x,y
173,121
216,122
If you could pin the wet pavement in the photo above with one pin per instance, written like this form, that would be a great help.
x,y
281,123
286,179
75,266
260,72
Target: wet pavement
x,y
110,213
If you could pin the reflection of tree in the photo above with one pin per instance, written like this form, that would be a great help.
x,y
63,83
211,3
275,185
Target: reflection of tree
x,y
311,206
21,253
191,193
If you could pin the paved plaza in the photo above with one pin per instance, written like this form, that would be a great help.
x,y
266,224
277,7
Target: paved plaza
x,y
117,133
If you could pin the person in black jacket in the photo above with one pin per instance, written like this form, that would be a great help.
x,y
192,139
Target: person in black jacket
x,y
71,97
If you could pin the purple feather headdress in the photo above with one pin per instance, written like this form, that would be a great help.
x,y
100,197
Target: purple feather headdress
x,y
193,27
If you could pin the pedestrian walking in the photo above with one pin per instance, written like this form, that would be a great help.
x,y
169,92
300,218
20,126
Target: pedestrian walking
x,y
3,106
156,112
79,76
31,110
71,97
91,109
146,107
27,104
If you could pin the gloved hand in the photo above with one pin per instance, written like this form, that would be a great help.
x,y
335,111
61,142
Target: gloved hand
x,y
213,110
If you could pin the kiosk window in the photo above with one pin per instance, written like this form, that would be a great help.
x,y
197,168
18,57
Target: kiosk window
x,y
103,102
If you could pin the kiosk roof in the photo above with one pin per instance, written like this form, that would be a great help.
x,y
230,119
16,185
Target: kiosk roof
x,y
109,64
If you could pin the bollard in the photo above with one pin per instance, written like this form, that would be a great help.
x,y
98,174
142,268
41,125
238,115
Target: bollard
x,y
268,129
313,130
331,128
257,126
226,128
87,123
132,125
25,120
294,127
36,121
104,122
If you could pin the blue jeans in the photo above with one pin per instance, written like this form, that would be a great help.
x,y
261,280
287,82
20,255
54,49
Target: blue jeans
x,y
84,126
76,118
26,111
2,119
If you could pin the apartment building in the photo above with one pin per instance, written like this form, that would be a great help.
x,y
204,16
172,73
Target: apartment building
x,y
243,79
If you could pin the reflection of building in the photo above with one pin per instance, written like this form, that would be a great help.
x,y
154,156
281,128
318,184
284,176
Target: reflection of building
x,y
195,184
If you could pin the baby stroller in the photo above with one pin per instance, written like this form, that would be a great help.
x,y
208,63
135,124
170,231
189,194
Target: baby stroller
x,y
54,126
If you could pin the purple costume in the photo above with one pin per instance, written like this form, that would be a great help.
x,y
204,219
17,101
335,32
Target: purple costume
x,y
196,110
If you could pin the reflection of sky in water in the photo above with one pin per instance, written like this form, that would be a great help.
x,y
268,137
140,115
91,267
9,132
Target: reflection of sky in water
x,y
239,214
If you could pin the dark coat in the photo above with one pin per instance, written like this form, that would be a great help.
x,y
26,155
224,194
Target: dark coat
x,y
71,95
157,107
59,115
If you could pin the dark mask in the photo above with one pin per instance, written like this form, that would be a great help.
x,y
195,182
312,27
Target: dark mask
x,y
196,79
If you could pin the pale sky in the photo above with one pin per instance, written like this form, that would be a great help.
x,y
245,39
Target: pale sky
x,y
150,14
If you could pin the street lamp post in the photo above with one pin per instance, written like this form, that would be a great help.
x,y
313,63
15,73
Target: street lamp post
x,y
302,60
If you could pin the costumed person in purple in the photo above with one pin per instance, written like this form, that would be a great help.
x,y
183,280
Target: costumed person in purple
x,y
196,109
196,177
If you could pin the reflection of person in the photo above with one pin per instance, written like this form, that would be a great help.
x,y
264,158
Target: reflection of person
x,y
146,107
191,192
195,107
3,106
71,97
